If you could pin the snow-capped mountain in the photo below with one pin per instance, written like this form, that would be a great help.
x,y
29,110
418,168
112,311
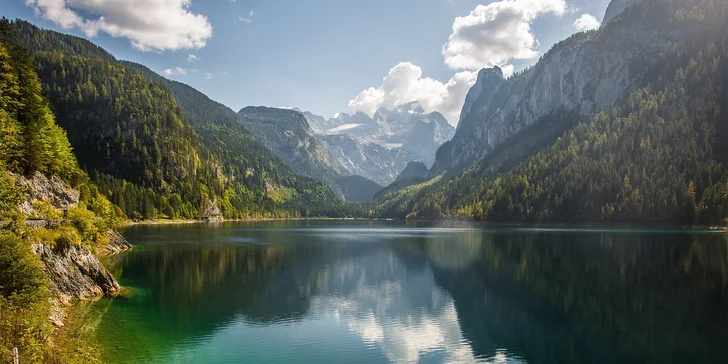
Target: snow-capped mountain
x,y
378,147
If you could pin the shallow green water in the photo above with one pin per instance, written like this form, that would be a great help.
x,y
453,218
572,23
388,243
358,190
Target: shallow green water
x,y
360,292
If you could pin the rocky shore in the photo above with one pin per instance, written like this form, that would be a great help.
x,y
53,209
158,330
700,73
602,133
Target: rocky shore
x,y
76,273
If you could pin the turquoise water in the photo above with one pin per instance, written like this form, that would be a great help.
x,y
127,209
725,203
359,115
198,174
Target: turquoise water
x,y
362,292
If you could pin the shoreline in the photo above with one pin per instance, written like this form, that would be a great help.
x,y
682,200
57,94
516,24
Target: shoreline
x,y
251,219
535,225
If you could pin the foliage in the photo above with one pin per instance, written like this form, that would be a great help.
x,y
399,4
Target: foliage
x,y
91,229
67,237
23,299
31,143
10,196
658,157
31,139
154,147
44,210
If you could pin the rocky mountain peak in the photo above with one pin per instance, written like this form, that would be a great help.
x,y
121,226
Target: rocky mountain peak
x,y
615,7
577,77
379,147
495,71
487,84
413,170
292,121
361,117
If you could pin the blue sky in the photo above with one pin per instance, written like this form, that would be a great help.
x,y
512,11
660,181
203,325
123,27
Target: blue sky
x,y
318,55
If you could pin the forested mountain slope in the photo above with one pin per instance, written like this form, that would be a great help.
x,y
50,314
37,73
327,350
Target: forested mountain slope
x,y
358,188
659,156
579,77
156,147
225,133
288,134
40,179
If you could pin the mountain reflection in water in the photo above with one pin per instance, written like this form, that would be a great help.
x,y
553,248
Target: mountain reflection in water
x,y
382,292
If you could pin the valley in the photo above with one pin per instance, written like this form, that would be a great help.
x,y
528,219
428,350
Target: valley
x,y
624,124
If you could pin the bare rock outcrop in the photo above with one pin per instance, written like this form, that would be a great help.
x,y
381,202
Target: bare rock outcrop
x,y
212,212
75,273
117,244
52,189
580,76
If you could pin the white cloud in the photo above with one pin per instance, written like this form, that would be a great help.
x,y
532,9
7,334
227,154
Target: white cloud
x,y
491,35
208,75
508,70
404,83
586,22
192,58
387,316
150,25
494,34
249,19
176,71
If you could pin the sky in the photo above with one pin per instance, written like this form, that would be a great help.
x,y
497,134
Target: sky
x,y
323,56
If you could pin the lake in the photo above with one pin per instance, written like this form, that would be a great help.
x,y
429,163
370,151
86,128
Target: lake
x,y
379,292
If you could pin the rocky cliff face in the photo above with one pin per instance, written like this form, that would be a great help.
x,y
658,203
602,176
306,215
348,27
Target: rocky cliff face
x,y
614,8
379,147
75,273
428,134
288,134
579,76
481,94
373,161
212,212
39,187
117,244
318,123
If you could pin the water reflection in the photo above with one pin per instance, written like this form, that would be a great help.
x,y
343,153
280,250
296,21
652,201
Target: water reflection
x,y
570,297
310,293
395,307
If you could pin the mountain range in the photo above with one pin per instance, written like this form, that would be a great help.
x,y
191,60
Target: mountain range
x,y
157,147
379,147
376,147
626,124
